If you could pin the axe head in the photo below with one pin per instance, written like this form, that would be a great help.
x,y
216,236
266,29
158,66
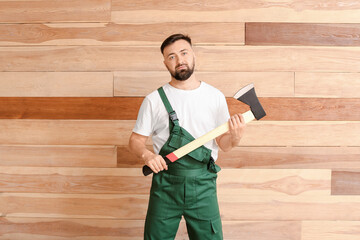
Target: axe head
x,y
248,96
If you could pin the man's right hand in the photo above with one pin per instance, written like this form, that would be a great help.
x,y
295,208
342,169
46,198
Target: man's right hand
x,y
155,162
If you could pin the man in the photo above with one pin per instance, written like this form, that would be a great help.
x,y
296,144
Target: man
x,y
177,113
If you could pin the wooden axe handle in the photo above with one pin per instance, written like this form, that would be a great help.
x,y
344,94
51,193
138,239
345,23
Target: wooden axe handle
x,y
191,146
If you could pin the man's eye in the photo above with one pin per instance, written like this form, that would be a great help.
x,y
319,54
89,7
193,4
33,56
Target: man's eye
x,y
184,53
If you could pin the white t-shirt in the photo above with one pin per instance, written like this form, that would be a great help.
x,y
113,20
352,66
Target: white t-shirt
x,y
199,111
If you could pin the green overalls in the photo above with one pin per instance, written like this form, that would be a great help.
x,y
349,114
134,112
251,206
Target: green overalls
x,y
187,188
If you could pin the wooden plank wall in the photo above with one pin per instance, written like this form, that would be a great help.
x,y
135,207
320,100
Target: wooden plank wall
x,y
74,73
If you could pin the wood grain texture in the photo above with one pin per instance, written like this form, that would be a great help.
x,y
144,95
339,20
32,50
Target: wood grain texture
x,y
108,229
304,109
288,157
16,11
302,34
289,208
271,157
235,11
274,182
329,85
330,230
126,108
132,181
69,108
118,34
133,58
133,206
73,180
58,156
345,182
267,84
117,132
56,84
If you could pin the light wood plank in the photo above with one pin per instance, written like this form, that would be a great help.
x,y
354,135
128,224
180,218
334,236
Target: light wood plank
x,y
345,182
330,230
87,229
131,181
73,180
97,206
236,11
267,84
58,156
302,34
271,157
133,207
286,157
118,34
56,84
17,11
289,208
63,229
65,132
117,132
329,85
133,58
274,182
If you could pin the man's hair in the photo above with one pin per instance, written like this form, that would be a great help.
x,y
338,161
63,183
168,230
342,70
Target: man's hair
x,y
173,38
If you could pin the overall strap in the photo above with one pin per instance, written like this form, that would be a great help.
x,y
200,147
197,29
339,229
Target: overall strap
x,y
169,109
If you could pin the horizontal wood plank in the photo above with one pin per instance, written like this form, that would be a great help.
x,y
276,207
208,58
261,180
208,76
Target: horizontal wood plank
x,y
131,181
330,230
274,182
126,108
345,182
287,157
271,157
17,11
73,180
118,34
134,58
58,156
236,11
117,132
302,34
329,85
56,84
133,206
267,84
108,229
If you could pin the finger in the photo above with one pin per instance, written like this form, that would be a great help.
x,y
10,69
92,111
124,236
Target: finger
x,y
231,125
242,118
159,164
233,120
153,168
237,119
164,164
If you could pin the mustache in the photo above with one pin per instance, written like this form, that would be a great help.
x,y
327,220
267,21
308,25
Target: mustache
x,y
180,65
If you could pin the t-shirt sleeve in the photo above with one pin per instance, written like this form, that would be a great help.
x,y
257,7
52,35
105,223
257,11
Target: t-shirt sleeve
x,y
223,111
143,125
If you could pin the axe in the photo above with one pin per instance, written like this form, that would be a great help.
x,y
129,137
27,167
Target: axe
x,y
246,95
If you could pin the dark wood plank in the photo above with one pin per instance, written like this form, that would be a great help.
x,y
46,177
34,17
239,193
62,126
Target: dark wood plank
x,y
345,182
112,33
272,157
302,34
126,108
55,11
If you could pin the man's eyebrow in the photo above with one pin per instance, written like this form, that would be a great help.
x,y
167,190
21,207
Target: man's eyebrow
x,y
183,50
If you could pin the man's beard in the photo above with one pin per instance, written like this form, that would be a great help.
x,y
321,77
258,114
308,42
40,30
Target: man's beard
x,y
183,74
